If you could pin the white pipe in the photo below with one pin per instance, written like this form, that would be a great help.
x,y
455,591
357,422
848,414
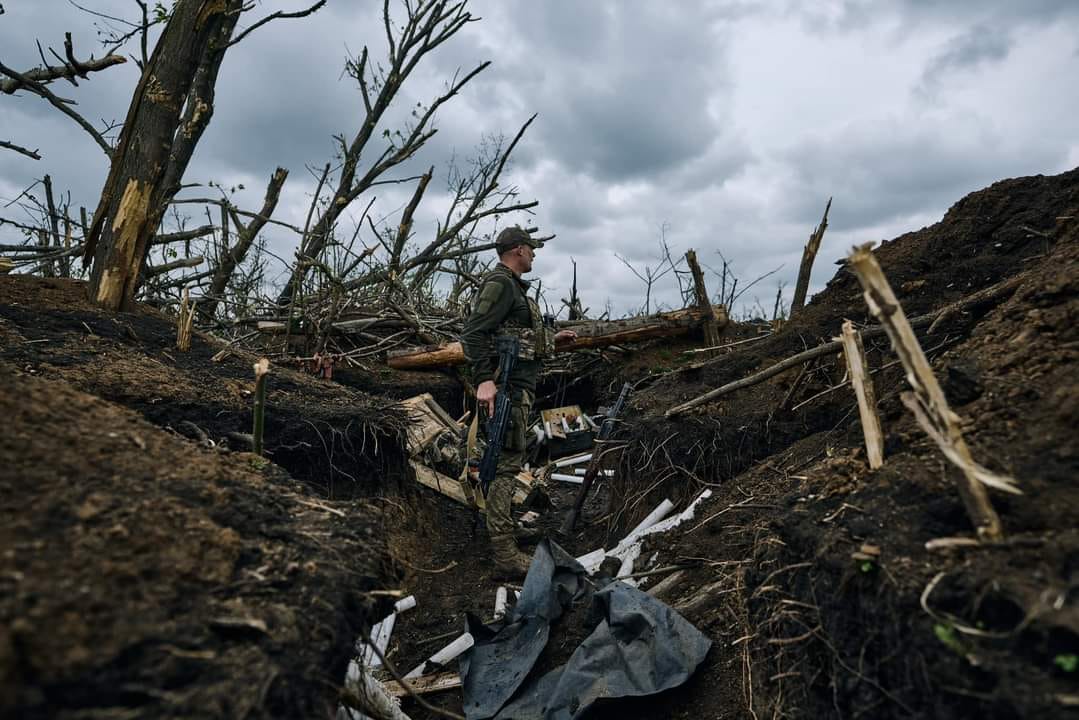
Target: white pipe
x,y
573,460
567,478
547,425
653,517
380,633
443,656
501,597
539,433
406,603
582,471
591,561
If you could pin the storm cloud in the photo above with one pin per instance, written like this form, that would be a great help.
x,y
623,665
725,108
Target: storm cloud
x,y
722,126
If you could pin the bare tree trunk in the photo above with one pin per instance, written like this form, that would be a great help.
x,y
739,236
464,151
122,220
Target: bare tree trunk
x,y
170,109
809,254
231,258
54,222
700,293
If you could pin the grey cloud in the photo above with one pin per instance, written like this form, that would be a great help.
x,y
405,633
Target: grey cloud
x,y
885,173
856,14
979,45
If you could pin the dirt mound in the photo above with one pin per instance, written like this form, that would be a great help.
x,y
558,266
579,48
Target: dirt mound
x,y
146,576
344,442
820,584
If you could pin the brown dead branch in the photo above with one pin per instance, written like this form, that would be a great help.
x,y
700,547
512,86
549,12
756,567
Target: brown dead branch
x,y
927,402
862,383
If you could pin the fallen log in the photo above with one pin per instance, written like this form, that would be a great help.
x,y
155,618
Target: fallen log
x,y
589,335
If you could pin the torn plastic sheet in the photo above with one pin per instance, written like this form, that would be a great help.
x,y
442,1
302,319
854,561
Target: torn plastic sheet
x,y
505,651
639,646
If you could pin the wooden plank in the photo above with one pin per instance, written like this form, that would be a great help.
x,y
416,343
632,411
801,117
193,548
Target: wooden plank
x,y
453,489
436,682
440,483
427,424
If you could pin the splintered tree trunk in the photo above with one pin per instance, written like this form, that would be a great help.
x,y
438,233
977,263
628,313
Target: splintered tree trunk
x,y
700,293
170,108
809,254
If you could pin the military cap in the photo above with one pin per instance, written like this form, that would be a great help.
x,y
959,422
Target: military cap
x,y
511,237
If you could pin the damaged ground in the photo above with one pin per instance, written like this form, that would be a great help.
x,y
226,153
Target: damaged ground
x,y
193,580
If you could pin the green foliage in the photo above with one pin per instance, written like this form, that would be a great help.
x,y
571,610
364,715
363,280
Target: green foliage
x,y
867,566
1068,662
947,635
162,13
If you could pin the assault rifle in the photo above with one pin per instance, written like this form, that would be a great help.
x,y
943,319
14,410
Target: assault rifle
x,y
594,464
508,347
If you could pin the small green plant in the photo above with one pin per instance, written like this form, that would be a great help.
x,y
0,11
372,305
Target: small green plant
x,y
947,635
867,566
1068,662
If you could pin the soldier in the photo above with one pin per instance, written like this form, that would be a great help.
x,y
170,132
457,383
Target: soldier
x,y
502,307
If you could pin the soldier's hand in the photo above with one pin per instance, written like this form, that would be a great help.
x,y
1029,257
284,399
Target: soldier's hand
x,y
565,336
485,394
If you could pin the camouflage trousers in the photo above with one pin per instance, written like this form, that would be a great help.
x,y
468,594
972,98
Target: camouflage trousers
x,y
503,487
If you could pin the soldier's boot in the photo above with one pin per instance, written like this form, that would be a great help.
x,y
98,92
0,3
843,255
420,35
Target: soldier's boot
x,y
527,534
510,563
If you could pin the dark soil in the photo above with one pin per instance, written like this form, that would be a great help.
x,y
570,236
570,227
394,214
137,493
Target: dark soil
x,y
810,628
145,576
807,619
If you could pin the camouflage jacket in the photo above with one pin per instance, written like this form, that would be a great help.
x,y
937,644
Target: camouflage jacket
x,y
502,307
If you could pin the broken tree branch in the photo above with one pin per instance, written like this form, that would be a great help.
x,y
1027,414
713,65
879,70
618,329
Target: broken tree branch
x,y
783,365
927,402
862,383
20,149
278,16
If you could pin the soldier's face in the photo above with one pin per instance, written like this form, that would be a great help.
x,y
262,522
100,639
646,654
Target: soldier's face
x,y
527,256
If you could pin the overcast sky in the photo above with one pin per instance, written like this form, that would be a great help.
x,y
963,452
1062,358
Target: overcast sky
x,y
725,125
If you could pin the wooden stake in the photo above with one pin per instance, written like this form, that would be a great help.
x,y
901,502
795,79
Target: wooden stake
x,y
262,369
184,323
864,391
927,400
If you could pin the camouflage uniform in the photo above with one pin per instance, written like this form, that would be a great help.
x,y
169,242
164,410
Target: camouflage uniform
x,y
502,307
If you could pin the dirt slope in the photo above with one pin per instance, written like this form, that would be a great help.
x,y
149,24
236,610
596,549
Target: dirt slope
x,y
146,574
813,627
